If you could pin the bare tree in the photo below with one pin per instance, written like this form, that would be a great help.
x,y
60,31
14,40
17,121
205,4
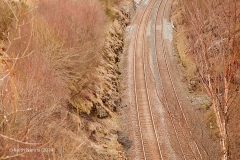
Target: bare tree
x,y
214,47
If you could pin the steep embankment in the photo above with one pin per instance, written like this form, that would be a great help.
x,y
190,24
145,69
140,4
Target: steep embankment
x,y
95,97
107,102
61,79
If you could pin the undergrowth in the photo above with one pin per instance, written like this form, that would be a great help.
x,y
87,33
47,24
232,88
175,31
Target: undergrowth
x,y
49,57
211,44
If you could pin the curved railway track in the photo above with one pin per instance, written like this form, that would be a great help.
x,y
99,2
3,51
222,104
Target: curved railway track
x,y
149,137
186,133
148,124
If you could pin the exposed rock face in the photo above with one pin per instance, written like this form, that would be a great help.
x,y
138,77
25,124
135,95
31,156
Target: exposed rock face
x,y
97,98
106,101
124,140
111,53
98,111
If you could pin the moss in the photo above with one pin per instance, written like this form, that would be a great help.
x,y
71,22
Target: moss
x,y
107,2
186,60
110,14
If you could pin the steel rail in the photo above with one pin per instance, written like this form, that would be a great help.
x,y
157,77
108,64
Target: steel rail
x,y
175,92
162,88
135,84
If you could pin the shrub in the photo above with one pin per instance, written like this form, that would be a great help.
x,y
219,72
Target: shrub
x,y
78,28
52,62
78,22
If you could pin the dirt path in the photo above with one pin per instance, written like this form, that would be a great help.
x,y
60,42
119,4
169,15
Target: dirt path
x,y
157,116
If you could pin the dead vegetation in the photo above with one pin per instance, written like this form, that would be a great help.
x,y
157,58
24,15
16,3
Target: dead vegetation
x,y
77,38
55,81
211,45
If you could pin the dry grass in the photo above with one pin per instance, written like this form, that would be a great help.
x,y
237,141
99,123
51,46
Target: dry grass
x,y
78,22
77,38
49,63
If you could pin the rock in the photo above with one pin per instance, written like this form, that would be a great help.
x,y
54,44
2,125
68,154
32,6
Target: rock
x,y
99,111
118,72
114,109
117,59
124,140
92,136
104,100
116,102
123,106
105,146
102,113
193,84
114,83
113,106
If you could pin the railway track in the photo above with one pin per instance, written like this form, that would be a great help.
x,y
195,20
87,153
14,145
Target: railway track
x,y
152,146
148,133
178,121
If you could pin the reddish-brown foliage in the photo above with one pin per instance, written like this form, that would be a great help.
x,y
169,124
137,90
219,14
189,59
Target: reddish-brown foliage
x,y
41,65
214,30
78,22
